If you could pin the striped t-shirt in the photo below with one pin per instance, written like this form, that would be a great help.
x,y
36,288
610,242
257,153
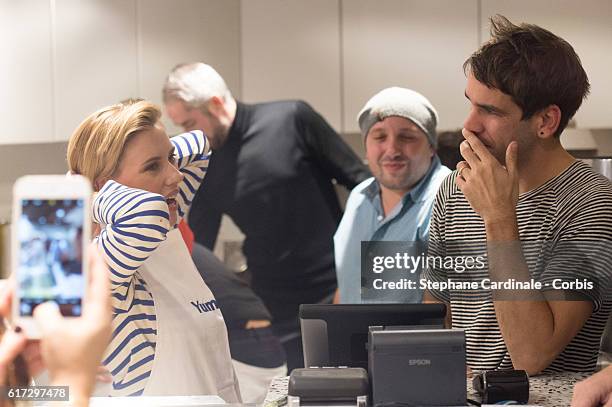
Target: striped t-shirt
x,y
565,228
135,223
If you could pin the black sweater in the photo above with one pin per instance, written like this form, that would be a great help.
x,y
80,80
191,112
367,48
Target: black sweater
x,y
273,177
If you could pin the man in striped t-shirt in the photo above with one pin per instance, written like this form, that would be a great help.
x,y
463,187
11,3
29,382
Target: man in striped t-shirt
x,y
540,221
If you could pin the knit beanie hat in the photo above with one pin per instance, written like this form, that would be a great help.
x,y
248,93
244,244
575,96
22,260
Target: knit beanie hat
x,y
400,102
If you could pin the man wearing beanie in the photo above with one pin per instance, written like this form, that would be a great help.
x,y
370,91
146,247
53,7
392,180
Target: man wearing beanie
x,y
399,130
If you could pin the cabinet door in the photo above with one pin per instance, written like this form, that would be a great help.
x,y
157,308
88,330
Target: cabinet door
x,y
415,44
587,26
26,106
291,50
96,58
173,32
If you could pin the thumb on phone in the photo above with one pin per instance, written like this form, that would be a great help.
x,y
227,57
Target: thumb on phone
x,y
47,317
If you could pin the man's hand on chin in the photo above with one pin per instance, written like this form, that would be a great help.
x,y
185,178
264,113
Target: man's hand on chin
x,y
490,188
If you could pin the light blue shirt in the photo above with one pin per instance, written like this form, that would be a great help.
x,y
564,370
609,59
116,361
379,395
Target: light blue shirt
x,y
364,220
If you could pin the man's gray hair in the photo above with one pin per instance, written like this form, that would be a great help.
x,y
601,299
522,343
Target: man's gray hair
x,y
194,84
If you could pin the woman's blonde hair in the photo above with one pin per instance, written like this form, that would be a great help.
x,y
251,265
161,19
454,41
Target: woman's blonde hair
x,y
96,146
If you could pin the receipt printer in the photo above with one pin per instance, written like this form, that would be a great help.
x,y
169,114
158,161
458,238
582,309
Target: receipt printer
x,y
417,366
328,385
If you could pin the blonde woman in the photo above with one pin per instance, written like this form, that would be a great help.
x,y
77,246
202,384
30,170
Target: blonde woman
x,y
169,337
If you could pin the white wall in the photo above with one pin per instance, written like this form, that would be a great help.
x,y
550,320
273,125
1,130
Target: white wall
x,y
62,59
410,43
291,49
26,103
587,26
20,159
67,58
170,32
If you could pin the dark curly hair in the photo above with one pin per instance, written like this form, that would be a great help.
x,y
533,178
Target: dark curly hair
x,y
532,65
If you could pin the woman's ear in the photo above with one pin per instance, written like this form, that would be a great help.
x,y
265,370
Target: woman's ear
x,y
99,183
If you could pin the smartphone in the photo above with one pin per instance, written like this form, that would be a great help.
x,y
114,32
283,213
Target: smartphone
x,y
50,237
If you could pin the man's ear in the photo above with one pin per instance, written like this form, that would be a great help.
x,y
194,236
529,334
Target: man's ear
x,y
548,121
216,106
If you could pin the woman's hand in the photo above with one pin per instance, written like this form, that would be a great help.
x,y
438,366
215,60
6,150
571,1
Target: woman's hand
x,y
70,348
73,347
14,342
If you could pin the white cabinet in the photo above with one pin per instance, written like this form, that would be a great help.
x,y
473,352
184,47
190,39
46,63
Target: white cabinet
x,y
63,59
415,44
96,62
26,101
587,26
173,32
291,50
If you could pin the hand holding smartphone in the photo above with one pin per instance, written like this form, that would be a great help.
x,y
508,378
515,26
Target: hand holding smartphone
x,y
50,238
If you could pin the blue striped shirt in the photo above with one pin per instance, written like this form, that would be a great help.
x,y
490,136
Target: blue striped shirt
x,y
135,223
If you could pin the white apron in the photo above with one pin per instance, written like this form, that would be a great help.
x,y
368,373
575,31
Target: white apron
x,y
255,381
192,354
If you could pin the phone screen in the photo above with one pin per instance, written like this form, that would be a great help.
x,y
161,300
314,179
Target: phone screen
x,y
50,234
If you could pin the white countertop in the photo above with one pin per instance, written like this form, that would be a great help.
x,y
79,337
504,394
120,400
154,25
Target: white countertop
x,y
544,390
